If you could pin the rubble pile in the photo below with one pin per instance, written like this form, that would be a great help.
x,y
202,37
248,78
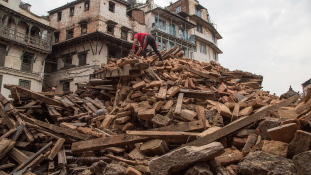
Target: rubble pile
x,y
142,116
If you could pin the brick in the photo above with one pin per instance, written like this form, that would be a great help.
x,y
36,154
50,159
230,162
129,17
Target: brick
x,y
157,106
68,125
209,131
132,171
136,154
162,93
223,110
229,157
146,114
300,143
287,112
122,120
168,105
284,133
173,91
246,111
275,147
107,121
239,142
123,114
128,126
139,85
186,115
252,138
268,123
160,120
154,147
155,84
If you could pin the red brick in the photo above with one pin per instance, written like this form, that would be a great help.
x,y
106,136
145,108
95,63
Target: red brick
x,y
284,133
300,143
275,147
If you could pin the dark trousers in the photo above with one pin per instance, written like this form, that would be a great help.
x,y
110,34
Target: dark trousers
x,y
149,40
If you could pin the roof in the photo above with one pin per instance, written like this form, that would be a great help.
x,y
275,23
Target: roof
x,y
79,1
307,82
206,24
209,43
175,17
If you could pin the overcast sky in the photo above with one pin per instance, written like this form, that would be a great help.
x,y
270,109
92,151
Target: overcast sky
x,y
266,37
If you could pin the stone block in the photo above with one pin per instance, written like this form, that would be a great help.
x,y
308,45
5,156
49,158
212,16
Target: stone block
x,y
223,110
154,147
268,123
132,171
229,157
300,143
239,142
136,154
146,114
246,111
303,163
161,120
187,115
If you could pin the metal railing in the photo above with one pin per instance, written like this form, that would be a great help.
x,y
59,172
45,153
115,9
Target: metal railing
x,y
21,37
168,29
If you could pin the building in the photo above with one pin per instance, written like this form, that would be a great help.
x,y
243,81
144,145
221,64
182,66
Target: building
x,y
25,42
89,33
305,85
206,35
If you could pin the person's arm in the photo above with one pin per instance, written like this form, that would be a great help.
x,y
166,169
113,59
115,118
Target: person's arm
x,y
134,45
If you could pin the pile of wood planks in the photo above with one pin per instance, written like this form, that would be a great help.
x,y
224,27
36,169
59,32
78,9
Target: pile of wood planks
x,y
135,111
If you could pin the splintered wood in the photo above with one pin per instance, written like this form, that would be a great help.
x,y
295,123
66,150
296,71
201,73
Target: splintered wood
x,y
134,109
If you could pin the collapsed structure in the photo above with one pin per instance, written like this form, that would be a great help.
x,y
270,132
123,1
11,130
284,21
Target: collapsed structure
x,y
142,116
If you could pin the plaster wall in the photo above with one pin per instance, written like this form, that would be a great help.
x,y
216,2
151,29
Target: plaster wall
x,y
204,57
12,4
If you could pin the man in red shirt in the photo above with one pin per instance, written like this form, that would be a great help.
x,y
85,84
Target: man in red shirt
x,y
145,39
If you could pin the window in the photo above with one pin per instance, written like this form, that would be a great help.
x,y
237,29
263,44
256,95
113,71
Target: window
x,y
124,34
214,55
110,29
59,16
199,28
86,5
83,29
178,9
72,11
24,83
214,39
56,35
69,34
0,82
82,59
27,60
66,86
172,30
202,48
2,54
198,12
68,62
161,24
111,6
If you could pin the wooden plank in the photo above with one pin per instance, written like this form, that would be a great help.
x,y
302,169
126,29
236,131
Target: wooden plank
x,y
3,100
90,105
61,156
58,145
5,166
194,126
35,95
206,95
179,103
58,93
7,149
240,123
18,156
15,95
53,112
101,143
7,134
57,129
7,120
170,136
31,158
201,73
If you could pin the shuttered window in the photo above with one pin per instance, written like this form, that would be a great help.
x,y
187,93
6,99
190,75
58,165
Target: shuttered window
x,y
2,54
24,83
203,48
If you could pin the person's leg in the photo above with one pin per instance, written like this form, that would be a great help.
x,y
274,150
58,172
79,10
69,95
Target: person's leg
x,y
153,44
144,46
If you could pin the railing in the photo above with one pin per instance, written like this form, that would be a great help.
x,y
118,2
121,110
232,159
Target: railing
x,y
168,29
24,38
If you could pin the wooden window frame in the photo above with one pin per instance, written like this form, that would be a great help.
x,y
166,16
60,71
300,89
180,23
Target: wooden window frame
x,y
113,8
2,46
113,26
79,56
82,27
86,6
27,81
126,33
68,86
69,37
200,28
59,16
31,64
71,11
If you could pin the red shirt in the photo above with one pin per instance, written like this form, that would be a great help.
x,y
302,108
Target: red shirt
x,y
140,37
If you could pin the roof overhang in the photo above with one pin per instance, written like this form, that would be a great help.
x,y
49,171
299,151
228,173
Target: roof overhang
x,y
209,43
307,82
206,24
175,18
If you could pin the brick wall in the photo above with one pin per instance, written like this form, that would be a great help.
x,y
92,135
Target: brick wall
x,y
139,16
184,6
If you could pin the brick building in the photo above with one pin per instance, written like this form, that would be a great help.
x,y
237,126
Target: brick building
x,y
88,33
206,35
25,42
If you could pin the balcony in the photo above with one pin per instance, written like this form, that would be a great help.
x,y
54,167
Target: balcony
x,y
177,33
41,43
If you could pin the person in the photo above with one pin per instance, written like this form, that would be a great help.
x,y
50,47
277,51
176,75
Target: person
x,y
144,40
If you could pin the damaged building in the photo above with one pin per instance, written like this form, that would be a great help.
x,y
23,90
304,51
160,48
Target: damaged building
x,y
25,42
88,33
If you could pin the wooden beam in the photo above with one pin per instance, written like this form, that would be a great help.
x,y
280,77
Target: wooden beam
x,y
206,95
91,47
58,145
202,73
194,126
35,95
18,156
101,143
103,42
7,134
240,123
179,103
